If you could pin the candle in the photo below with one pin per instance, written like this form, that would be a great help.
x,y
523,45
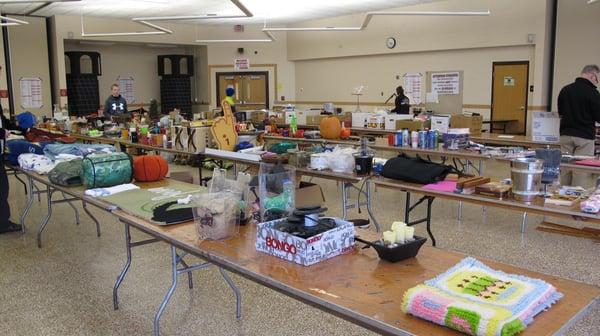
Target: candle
x,y
389,237
398,225
400,235
409,233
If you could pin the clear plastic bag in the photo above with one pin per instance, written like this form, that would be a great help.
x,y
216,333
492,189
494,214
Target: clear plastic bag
x,y
276,187
216,215
239,186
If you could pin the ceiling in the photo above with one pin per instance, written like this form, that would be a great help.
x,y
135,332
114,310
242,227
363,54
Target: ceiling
x,y
271,11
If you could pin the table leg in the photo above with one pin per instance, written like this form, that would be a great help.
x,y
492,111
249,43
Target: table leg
x,y
236,291
170,292
125,268
344,200
74,209
524,222
460,208
47,218
407,209
87,211
368,195
30,197
429,203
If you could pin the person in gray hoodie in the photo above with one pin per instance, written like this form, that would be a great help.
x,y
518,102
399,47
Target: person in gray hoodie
x,y
115,104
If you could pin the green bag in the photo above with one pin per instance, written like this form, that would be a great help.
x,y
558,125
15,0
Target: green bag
x,y
106,170
67,173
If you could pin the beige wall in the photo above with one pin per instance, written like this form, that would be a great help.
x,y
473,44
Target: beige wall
x,y
139,61
69,27
330,64
577,41
29,58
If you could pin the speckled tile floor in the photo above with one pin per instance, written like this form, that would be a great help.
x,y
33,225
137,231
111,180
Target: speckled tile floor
x,y
65,288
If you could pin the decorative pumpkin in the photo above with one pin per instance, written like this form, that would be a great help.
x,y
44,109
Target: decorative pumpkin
x,y
330,128
345,133
150,168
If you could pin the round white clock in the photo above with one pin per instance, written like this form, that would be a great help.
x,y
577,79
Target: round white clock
x,y
391,43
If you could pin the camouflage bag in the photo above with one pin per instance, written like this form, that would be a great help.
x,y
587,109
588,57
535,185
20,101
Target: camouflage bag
x,y
107,170
67,174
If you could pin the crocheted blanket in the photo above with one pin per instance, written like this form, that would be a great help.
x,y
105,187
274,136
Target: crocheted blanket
x,y
474,299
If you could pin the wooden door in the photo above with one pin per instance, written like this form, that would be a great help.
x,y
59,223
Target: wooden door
x,y
510,82
251,89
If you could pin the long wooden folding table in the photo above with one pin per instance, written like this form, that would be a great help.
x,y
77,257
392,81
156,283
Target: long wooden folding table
x,y
356,286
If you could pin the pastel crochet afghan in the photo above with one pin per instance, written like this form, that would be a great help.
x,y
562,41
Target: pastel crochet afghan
x,y
477,300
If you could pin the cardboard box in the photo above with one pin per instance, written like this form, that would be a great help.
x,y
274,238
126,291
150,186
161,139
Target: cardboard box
x,y
473,123
412,125
440,123
360,119
390,120
546,127
309,251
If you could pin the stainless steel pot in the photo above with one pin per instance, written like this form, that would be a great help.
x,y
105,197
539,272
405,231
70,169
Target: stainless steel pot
x,y
526,174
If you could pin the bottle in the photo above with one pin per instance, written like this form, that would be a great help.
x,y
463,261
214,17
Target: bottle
x,y
293,125
55,111
288,192
414,139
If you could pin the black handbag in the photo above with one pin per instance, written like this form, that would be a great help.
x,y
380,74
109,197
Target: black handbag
x,y
415,170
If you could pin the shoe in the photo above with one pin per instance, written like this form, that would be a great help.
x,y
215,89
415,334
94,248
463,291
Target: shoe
x,y
11,227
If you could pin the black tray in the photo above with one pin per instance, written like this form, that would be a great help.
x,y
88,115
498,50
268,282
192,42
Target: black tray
x,y
400,252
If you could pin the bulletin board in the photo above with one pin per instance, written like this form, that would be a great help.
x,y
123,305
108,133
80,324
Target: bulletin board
x,y
449,102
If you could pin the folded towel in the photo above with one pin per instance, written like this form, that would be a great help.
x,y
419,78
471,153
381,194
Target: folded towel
x,y
477,300
101,192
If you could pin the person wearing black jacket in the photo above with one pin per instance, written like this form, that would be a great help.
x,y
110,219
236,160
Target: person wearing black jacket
x,y
402,102
115,104
6,225
579,109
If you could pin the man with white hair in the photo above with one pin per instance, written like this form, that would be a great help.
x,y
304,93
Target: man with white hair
x,y
579,109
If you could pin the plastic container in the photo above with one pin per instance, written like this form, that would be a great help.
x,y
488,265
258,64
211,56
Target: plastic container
x,y
216,215
276,191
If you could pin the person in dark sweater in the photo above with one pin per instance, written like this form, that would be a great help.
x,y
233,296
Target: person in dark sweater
x,y
402,102
115,104
579,110
6,225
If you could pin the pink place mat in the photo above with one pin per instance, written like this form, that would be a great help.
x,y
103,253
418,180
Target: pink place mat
x,y
447,186
588,162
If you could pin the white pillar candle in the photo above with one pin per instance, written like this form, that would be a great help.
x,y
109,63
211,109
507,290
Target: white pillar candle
x,y
398,225
389,237
409,233
400,235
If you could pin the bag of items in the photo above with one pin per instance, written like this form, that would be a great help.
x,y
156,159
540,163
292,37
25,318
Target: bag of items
x,y
106,170
67,173
216,215
415,170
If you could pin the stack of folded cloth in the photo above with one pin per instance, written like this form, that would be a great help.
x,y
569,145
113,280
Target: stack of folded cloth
x,y
477,300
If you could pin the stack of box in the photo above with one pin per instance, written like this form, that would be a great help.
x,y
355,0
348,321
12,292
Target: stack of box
x,y
473,123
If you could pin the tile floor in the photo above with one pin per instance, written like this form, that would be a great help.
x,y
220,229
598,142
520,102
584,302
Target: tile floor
x,y
65,288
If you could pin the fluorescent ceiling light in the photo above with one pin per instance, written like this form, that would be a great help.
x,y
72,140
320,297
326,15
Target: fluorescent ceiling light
x,y
592,1
8,21
32,1
158,30
369,16
270,38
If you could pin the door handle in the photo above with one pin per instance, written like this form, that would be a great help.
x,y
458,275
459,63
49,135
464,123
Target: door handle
x,y
522,108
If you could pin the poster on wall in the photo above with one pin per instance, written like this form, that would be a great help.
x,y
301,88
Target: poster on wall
x,y
31,92
412,86
241,63
445,83
127,89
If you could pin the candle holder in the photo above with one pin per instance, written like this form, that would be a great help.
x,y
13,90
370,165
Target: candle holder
x,y
396,252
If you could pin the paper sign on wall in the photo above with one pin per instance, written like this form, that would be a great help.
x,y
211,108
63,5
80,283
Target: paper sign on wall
x,y
241,63
31,92
412,86
127,89
445,83
509,81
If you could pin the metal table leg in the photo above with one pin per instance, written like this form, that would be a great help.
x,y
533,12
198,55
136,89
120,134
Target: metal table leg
x,y
47,218
344,200
369,196
410,207
87,211
524,222
30,197
170,292
236,291
74,209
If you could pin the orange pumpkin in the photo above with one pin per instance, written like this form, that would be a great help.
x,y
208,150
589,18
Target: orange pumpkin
x,y
345,133
330,128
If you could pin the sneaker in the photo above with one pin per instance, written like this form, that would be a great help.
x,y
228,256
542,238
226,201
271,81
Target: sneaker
x,y
10,227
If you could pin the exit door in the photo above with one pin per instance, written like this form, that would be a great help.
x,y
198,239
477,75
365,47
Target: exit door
x,y
510,81
251,89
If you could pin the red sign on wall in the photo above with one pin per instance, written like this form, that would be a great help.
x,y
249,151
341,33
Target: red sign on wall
x,y
3,93
63,92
